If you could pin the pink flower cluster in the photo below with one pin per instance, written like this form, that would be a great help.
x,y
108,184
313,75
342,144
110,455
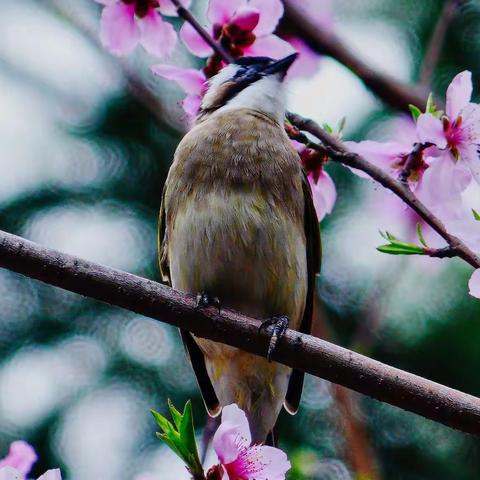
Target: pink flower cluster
x,y
126,23
438,157
239,459
19,461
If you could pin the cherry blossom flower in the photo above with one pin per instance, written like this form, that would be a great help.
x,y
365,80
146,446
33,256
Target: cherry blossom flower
x,y
193,83
126,23
456,134
244,27
21,456
10,473
436,180
474,284
241,460
323,189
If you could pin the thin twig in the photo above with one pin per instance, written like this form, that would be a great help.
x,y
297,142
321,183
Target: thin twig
x,y
188,17
435,46
338,152
304,352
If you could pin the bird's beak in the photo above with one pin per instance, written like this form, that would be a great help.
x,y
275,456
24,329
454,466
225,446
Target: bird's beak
x,y
281,66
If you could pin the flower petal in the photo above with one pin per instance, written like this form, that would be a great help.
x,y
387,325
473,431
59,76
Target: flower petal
x,y
51,475
10,473
269,46
324,194
166,7
232,435
21,456
474,284
246,18
459,93
119,32
220,12
271,11
190,80
430,130
191,105
259,463
194,42
443,182
384,155
469,154
106,2
157,36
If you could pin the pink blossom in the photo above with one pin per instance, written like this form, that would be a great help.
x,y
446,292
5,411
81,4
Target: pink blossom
x,y
192,82
245,27
126,23
21,456
457,133
474,284
241,460
10,473
324,193
390,156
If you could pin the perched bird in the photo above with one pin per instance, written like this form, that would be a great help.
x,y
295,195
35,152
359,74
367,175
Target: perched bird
x,y
237,223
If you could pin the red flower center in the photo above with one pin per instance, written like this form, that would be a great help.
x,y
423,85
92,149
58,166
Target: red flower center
x,y
142,7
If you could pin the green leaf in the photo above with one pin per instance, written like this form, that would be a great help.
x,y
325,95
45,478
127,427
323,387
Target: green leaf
x,y
401,249
176,415
431,107
420,235
327,128
476,215
415,111
180,436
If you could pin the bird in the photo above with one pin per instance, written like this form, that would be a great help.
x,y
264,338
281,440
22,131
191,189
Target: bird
x,y
238,229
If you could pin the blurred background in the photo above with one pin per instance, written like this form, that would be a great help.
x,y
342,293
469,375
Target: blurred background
x,y
83,158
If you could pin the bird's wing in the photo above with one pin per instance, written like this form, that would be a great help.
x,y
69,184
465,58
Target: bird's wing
x,y
313,250
193,351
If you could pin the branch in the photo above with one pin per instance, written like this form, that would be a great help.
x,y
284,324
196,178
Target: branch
x,y
436,42
338,153
395,93
304,352
188,17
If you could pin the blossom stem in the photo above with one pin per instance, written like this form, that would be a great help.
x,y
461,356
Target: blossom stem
x,y
339,153
188,17
304,352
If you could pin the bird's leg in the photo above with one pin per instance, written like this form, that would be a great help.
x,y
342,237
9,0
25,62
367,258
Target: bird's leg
x,y
279,327
205,300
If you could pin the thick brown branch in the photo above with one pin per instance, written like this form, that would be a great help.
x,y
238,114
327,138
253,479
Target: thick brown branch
x,y
393,92
338,152
313,355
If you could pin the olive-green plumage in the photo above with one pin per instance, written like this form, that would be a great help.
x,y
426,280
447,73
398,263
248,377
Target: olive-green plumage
x,y
237,222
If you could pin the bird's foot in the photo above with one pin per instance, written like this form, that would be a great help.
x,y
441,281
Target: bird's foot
x,y
278,326
205,300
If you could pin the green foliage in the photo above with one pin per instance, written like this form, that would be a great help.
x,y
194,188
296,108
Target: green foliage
x,y
180,436
396,247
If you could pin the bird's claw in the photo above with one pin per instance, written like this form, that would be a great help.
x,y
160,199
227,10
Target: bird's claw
x,y
205,300
279,327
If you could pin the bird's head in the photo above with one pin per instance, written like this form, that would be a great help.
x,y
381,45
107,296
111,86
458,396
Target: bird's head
x,y
249,82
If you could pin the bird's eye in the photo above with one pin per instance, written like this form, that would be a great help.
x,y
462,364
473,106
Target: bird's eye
x,y
240,72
